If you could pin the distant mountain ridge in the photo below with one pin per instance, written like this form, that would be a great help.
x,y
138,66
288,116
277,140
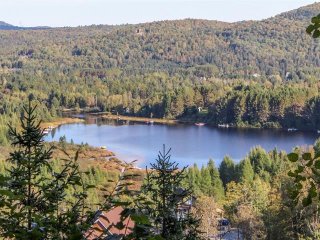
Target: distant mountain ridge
x,y
7,26
4,24
276,47
302,13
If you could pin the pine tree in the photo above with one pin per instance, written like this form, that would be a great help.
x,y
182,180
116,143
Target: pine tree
x,y
33,206
192,180
316,146
163,196
245,171
217,186
260,160
227,171
205,181
197,174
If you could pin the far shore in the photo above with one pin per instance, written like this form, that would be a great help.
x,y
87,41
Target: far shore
x,y
140,119
60,121
108,115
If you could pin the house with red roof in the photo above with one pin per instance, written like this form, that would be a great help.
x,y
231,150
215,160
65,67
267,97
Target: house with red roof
x,y
106,225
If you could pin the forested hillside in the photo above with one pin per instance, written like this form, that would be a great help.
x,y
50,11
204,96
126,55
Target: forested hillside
x,y
7,26
251,73
275,46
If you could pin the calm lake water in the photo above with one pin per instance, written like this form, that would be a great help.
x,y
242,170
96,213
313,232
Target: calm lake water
x,y
190,144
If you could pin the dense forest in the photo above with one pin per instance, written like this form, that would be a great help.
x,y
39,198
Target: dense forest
x,y
253,193
252,73
245,74
267,195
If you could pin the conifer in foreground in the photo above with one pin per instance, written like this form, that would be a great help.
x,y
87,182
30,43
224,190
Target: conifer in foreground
x,y
164,201
32,205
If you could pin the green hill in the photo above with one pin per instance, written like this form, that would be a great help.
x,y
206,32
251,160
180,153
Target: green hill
x,y
250,73
7,26
275,46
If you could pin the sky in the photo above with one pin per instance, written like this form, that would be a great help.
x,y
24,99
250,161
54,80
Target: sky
x,y
59,13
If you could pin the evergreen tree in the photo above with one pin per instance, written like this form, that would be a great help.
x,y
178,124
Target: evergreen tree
x,y
166,104
245,171
314,28
194,179
259,160
191,181
164,196
205,181
227,170
197,175
279,162
217,186
33,206
316,147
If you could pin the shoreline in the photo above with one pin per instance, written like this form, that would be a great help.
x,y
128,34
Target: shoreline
x,y
138,119
108,115
105,115
60,121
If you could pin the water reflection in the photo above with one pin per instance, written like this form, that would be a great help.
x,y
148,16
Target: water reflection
x,y
190,144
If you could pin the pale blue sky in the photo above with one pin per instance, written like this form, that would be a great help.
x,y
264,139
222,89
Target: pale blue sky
x,y
86,12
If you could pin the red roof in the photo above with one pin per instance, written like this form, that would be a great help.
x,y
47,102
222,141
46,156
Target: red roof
x,y
105,224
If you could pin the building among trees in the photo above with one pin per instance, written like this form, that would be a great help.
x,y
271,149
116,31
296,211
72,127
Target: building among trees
x,y
110,225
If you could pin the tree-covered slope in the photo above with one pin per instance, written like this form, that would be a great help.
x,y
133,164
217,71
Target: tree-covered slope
x,y
7,26
275,46
252,73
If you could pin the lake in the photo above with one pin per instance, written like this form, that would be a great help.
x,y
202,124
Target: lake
x,y
190,144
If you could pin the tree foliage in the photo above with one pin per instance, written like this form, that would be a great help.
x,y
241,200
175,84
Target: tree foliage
x,y
34,206
314,28
164,202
